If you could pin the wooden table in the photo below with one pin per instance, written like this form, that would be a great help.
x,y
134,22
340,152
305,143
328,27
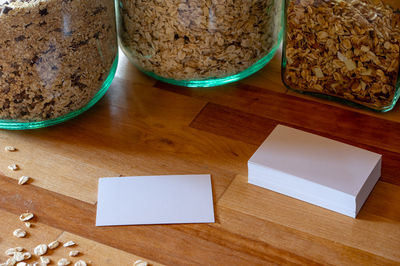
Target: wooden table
x,y
145,127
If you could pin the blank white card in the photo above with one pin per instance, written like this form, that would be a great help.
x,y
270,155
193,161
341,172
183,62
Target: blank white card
x,y
155,200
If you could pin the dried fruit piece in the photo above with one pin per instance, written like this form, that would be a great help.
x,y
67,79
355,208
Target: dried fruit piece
x,y
69,244
53,244
74,253
63,262
140,263
11,251
13,167
19,233
26,216
40,250
9,148
80,263
23,179
44,260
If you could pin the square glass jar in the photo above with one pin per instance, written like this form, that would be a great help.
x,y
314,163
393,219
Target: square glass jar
x,y
344,50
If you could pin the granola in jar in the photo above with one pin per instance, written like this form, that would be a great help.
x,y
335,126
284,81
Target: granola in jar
x,y
343,48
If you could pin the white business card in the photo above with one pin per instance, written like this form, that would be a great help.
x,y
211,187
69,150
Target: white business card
x,y
168,199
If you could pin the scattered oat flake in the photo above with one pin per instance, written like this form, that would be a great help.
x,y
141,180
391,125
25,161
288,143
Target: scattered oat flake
x,y
140,263
11,261
22,264
11,251
80,263
18,256
53,244
27,255
28,224
44,260
69,244
19,233
26,216
40,249
74,253
23,179
63,262
13,167
9,148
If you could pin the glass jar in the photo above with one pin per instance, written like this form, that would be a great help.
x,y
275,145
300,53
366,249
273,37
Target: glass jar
x,y
200,43
57,59
347,50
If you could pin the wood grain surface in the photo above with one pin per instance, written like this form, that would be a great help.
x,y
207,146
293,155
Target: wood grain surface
x,y
146,127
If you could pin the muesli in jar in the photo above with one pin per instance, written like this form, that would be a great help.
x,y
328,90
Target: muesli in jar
x,y
55,56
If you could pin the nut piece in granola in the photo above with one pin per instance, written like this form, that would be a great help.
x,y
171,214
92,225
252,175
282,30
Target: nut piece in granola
x,y
19,233
40,250
63,262
26,216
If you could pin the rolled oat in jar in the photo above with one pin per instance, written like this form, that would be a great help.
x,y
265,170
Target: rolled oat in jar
x,y
200,43
344,49
57,58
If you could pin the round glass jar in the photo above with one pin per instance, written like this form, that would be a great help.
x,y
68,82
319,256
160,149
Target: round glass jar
x,y
344,50
57,59
200,43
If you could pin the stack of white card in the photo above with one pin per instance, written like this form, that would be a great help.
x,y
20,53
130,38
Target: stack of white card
x,y
321,171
